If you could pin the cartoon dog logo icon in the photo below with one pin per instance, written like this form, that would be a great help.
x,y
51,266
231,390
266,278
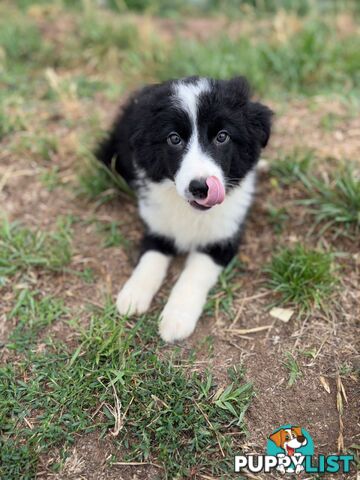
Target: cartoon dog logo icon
x,y
289,440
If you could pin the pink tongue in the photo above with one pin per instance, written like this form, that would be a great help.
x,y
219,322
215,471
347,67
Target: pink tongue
x,y
216,193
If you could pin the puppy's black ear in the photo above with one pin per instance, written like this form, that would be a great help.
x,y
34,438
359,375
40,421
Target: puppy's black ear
x,y
259,118
239,89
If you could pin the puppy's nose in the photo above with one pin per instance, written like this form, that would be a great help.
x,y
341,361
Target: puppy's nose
x,y
198,188
301,438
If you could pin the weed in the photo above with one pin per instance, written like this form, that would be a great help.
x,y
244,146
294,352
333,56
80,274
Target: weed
x,y
112,234
87,87
98,182
101,40
19,40
310,353
346,369
9,123
16,460
21,248
329,121
43,147
294,370
301,276
335,201
277,217
194,59
50,178
33,315
87,275
292,167
21,43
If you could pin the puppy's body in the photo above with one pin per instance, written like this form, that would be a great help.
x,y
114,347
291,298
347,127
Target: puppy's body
x,y
189,149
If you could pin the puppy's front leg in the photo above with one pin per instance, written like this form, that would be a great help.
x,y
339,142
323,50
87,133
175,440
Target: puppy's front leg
x,y
188,297
136,295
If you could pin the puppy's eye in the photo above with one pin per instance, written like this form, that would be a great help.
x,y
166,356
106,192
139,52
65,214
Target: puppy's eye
x,y
222,137
174,139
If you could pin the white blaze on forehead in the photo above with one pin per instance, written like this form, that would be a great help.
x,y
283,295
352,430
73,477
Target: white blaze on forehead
x,y
196,163
187,95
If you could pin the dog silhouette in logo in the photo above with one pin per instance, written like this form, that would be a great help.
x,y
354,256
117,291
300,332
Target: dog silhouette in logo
x,y
289,439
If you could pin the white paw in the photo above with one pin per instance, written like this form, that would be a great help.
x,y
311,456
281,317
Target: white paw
x,y
299,468
133,300
176,324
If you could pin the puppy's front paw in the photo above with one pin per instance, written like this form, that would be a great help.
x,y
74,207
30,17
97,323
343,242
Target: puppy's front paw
x,y
176,324
132,300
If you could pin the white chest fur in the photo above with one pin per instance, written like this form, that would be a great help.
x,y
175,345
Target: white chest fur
x,y
167,214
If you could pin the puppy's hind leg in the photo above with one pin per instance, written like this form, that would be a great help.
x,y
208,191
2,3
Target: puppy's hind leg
x,y
137,293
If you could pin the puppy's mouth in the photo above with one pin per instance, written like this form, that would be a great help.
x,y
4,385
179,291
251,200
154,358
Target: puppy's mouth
x,y
215,195
196,205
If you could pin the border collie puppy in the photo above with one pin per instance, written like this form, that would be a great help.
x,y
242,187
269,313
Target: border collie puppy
x,y
189,149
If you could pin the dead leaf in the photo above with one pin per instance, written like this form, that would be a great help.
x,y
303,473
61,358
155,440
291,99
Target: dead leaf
x,y
325,383
283,314
340,442
343,390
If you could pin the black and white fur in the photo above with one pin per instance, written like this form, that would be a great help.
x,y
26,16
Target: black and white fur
x,y
160,168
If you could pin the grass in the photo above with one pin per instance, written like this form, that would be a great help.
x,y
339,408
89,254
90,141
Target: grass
x,y
50,178
221,297
112,235
167,412
277,218
99,38
292,167
330,120
41,147
9,123
335,201
312,58
96,182
22,44
22,248
231,8
20,40
307,61
33,314
301,276
294,370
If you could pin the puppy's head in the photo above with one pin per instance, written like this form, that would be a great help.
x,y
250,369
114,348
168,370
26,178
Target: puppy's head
x,y
203,134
